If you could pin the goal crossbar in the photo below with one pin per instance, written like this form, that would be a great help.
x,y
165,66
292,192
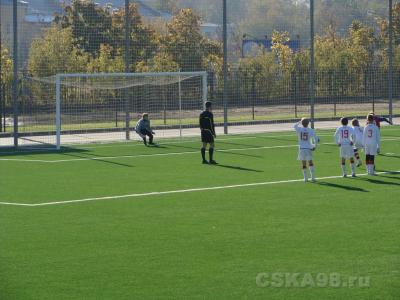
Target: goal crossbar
x,y
181,76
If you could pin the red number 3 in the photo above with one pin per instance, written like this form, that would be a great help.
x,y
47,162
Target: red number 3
x,y
370,133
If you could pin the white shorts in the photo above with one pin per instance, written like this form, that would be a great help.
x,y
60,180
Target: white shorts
x,y
371,149
305,154
346,151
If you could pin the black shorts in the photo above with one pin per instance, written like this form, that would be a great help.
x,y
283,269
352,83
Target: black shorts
x,y
207,136
146,132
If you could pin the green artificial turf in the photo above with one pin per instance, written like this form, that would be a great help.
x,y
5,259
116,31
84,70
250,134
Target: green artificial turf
x,y
208,244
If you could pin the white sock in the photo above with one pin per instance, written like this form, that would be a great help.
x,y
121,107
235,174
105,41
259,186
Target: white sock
x,y
312,172
344,169
305,174
353,168
368,169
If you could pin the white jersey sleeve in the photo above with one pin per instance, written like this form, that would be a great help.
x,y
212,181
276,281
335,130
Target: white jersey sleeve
x,y
297,127
378,136
314,138
337,136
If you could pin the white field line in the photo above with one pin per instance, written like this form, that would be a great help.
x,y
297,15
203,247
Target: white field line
x,y
139,155
138,143
223,187
239,136
166,141
160,154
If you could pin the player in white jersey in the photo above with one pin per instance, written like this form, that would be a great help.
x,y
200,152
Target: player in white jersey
x,y
344,138
307,143
358,133
371,142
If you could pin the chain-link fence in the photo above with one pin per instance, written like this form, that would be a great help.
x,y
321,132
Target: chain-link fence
x,y
268,75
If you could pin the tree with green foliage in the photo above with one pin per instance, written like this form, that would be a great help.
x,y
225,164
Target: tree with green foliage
x,y
257,76
143,39
185,43
6,77
106,62
56,53
161,62
6,66
281,49
362,43
90,24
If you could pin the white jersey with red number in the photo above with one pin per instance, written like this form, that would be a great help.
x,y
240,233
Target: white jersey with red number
x,y
306,137
358,133
371,135
344,136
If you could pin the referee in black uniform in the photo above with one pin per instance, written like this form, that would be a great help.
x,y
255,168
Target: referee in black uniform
x,y
207,133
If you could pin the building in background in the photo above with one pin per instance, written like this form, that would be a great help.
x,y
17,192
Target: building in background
x,y
32,17
6,21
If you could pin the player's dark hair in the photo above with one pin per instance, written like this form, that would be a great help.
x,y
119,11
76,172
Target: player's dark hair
x,y
305,122
344,121
370,118
355,122
208,104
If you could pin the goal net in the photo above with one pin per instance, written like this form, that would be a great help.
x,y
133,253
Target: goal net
x,y
105,107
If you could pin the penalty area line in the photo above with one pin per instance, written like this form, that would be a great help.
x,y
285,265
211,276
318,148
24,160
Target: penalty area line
x,y
201,189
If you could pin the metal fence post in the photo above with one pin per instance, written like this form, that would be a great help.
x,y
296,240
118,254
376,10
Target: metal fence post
x,y
390,57
15,72
225,42
127,69
312,67
1,85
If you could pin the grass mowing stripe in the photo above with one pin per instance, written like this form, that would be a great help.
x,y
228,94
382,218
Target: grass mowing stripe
x,y
181,191
161,154
171,141
139,155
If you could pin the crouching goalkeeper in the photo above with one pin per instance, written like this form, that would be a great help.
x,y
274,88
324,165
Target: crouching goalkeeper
x,y
143,129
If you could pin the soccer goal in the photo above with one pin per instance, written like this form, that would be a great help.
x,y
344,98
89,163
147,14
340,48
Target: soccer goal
x,y
105,107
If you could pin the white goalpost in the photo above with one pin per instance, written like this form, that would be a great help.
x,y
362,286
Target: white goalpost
x,y
104,107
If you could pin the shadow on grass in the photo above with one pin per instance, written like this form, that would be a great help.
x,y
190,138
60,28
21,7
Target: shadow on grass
x,y
390,174
37,150
186,147
240,154
391,156
341,186
238,168
93,157
282,139
239,144
376,180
